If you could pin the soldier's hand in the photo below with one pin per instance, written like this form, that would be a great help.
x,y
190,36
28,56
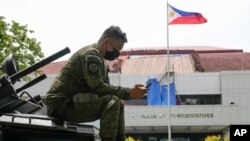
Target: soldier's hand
x,y
138,91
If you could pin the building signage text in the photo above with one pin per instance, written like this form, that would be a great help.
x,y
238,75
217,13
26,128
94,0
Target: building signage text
x,y
186,115
193,115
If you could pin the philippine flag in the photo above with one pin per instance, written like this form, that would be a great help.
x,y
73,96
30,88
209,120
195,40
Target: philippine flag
x,y
177,16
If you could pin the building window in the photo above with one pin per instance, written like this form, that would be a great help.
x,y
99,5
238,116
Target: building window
x,y
198,99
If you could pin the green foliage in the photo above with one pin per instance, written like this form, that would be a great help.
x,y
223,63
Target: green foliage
x,y
14,39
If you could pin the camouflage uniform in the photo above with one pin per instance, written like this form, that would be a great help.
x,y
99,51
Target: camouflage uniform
x,y
82,93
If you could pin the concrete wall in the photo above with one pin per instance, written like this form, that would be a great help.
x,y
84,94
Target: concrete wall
x,y
197,83
235,87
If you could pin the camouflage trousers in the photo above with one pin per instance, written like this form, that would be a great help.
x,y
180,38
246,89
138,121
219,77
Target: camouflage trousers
x,y
87,107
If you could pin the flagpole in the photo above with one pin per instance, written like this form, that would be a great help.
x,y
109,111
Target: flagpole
x,y
168,79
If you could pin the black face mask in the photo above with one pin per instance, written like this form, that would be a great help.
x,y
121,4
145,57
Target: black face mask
x,y
111,55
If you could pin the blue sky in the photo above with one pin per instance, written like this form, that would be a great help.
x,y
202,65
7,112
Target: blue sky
x,y
77,23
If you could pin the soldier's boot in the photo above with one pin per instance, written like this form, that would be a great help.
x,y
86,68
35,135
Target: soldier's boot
x,y
108,139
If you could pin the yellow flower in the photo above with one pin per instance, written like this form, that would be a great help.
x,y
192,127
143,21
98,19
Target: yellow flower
x,y
129,139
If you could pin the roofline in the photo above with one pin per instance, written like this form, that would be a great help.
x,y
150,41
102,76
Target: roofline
x,y
175,51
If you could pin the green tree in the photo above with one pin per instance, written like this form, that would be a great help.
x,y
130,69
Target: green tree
x,y
15,39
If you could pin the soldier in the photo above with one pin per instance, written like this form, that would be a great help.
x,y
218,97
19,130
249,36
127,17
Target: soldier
x,y
82,93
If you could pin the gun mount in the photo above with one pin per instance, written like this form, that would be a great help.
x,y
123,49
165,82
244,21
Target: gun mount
x,y
19,117
9,100
39,64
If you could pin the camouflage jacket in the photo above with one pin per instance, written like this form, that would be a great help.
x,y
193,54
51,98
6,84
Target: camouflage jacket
x,y
86,71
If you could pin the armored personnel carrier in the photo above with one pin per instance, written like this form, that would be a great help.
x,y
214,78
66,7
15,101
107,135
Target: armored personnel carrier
x,y
20,113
